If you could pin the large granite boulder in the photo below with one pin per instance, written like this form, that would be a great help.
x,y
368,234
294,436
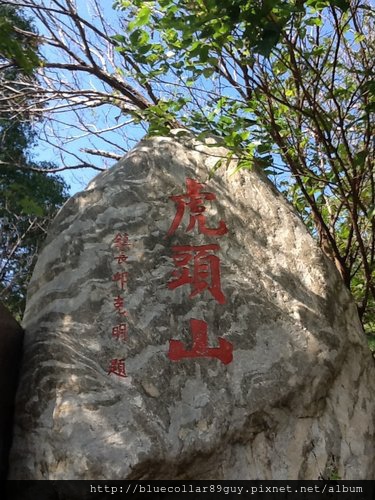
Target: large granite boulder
x,y
11,335
182,325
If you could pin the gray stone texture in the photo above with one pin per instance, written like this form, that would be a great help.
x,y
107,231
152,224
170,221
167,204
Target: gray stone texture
x,y
296,402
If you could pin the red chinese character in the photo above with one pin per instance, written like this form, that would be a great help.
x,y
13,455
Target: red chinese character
x,y
121,258
200,347
118,303
120,332
205,273
122,278
117,367
194,199
121,241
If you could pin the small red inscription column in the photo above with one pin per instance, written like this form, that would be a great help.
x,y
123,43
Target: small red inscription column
x,y
117,367
120,277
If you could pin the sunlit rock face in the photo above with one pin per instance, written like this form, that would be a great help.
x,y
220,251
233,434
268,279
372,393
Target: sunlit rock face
x,y
182,324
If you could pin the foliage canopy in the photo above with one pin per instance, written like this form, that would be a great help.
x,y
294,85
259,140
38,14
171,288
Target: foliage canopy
x,y
291,90
28,198
288,85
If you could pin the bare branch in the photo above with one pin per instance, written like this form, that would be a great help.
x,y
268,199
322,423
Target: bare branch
x,y
104,154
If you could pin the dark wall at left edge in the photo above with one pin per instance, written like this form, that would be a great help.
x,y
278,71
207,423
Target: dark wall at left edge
x,y
11,341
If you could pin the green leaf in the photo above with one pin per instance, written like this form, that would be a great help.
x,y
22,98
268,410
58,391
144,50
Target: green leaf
x,y
142,18
270,37
208,72
314,21
371,212
344,5
30,207
139,38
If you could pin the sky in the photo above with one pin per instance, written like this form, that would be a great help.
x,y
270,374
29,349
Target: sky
x,y
94,120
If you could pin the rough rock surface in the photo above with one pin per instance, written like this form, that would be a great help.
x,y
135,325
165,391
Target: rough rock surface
x,y
11,335
296,401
